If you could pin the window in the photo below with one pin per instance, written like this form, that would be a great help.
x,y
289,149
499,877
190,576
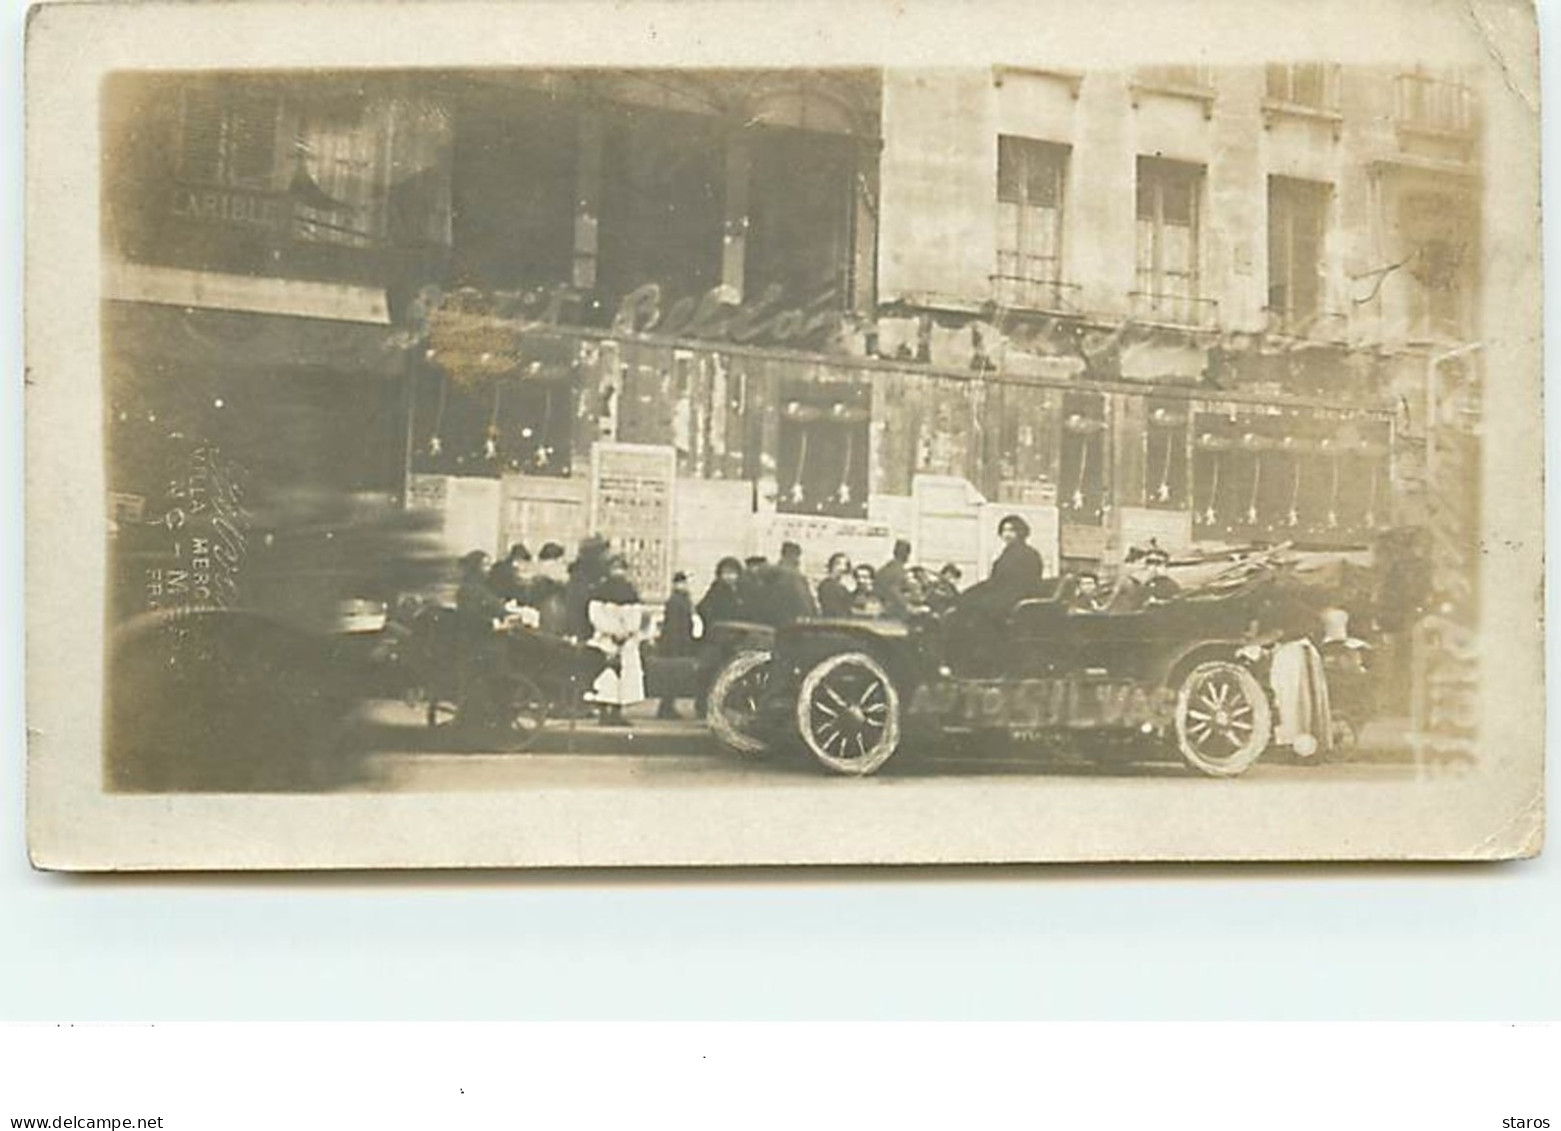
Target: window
x,y
1297,231
510,424
663,204
1165,454
823,449
337,174
1031,183
229,137
1168,224
1434,101
514,190
1084,485
1313,85
799,232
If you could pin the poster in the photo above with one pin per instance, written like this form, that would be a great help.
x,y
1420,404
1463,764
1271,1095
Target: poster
x,y
631,496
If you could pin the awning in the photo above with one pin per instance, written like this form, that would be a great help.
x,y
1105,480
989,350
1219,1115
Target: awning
x,y
152,335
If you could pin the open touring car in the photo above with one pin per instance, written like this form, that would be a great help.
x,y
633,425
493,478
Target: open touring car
x,y
1216,676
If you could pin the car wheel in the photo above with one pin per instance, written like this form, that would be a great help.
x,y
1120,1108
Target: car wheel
x,y
733,705
527,714
848,713
1223,719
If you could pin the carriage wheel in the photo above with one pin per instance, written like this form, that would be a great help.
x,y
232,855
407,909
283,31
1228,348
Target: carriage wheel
x,y
733,706
848,713
1223,719
527,714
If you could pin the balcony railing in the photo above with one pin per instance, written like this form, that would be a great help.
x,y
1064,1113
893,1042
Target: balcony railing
x,y
1434,105
1193,84
1307,86
1313,325
1307,92
1173,310
1033,291
1176,78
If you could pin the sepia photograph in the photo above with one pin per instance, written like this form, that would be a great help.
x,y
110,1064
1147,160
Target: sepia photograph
x,y
579,458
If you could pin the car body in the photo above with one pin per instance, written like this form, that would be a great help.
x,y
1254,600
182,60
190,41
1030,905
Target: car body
x,y
1193,676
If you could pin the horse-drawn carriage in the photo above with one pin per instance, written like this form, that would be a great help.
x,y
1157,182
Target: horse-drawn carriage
x,y
1216,676
528,677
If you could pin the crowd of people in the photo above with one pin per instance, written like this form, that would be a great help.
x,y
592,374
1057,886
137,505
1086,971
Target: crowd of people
x,y
591,602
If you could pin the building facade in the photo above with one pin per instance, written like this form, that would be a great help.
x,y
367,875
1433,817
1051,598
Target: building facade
x,y
262,236
703,312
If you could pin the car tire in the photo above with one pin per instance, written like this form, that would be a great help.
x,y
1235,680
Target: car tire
x,y
526,715
1223,719
848,713
733,703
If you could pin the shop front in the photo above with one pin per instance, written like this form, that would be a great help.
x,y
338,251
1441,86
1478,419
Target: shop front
x,y
764,445
230,484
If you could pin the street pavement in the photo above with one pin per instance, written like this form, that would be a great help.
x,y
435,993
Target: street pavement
x,y
399,752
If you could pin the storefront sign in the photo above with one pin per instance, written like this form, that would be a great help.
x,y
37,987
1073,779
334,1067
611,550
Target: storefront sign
x,y
231,206
767,320
710,317
821,535
631,503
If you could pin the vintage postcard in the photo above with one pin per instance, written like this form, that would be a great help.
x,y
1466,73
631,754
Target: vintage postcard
x,y
613,434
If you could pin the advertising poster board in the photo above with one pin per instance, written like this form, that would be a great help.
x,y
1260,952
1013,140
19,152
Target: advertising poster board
x,y
631,495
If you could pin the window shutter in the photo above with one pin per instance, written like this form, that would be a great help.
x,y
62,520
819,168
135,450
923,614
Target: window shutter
x,y
252,140
200,157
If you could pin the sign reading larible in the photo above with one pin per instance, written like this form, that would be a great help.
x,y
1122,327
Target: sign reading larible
x,y
239,207
631,501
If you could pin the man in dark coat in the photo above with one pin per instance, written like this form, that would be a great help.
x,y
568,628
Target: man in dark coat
x,y
721,604
586,572
943,590
477,607
893,582
547,591
754,590
509,578
834,595
677,634
1154,587
791,596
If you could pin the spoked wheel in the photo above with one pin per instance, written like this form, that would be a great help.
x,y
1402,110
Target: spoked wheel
x,y
527,713
1223,719
734,700
848,713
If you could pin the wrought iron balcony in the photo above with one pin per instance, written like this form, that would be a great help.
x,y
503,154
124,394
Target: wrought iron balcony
x,y
1017,290
1330,326
1434,105
1192,83
1173,310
